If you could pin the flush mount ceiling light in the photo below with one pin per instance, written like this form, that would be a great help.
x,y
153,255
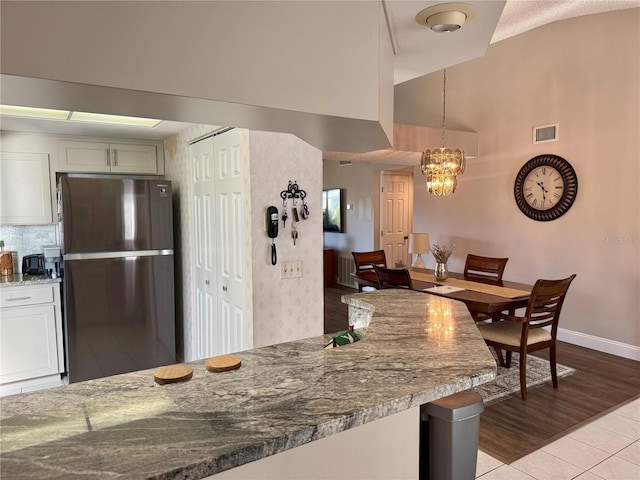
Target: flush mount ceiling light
x,y
446,17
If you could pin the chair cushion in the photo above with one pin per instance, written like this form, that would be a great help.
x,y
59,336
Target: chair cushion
x,y
508,333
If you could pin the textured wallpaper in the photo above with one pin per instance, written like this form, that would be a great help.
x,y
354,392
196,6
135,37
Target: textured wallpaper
x,y
286,309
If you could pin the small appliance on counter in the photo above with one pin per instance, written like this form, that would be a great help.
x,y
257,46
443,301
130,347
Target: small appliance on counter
x,y
52,260
33,264
6,261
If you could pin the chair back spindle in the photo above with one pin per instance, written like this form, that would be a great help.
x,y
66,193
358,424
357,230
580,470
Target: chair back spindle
x,y
364,263
366,260
547,298
481,268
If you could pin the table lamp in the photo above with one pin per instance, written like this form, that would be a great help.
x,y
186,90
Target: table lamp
x,y
418,244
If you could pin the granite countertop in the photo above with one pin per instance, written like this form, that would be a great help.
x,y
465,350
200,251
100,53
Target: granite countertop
x,y
417,348
17,280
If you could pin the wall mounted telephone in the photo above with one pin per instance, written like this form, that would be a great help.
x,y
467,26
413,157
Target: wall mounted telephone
x,y
271,226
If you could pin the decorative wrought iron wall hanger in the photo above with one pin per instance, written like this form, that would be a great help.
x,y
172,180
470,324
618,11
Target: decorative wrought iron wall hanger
x,y
293,192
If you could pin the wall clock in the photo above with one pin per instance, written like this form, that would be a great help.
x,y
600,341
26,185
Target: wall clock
x,y
545,187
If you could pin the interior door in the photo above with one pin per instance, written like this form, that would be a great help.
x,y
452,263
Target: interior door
x,y
204,248
228,151
219,253
395,216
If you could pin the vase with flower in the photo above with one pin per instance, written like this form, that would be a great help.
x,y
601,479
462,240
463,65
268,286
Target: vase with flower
x,y
441,253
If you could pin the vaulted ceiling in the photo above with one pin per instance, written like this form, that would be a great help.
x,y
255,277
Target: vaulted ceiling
x,y
418,50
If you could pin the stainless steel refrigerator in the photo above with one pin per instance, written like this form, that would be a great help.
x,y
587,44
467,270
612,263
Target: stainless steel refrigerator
x,y
118,283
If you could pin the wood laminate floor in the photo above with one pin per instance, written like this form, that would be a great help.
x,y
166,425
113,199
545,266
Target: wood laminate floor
x,y
513,428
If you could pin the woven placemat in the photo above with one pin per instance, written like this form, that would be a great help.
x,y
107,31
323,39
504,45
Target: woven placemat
x,y
475,286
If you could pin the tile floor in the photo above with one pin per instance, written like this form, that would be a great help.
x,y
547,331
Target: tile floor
x,y
607,448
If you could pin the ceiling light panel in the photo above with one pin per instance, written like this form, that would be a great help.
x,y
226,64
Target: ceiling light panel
x,y
114,119
98,118
31,112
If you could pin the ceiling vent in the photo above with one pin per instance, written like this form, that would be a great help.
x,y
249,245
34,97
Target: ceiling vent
x,y
546,133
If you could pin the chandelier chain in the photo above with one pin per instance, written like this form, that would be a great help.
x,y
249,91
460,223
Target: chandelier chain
x,y
444,103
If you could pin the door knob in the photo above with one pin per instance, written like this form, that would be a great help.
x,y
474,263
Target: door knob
x,y
206,282
224,288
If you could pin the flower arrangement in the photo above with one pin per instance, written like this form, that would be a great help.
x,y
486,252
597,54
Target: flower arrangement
x,y
442,252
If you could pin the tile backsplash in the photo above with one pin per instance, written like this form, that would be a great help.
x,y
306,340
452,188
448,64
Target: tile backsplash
x,y
26,239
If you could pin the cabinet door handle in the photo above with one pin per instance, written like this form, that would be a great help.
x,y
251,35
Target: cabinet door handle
x,y
108,157
15,299
115,157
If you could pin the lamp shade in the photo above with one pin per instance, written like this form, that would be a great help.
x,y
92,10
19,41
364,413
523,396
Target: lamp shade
x,y
419,243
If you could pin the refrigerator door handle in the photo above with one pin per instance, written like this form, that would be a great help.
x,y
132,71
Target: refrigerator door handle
x,y
133,253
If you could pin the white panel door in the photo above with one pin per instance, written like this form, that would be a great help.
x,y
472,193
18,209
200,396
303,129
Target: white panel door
x,y
228,152
219,255
204,248
395,216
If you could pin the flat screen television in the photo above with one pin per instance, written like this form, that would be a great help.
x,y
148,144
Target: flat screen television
x,y
332,210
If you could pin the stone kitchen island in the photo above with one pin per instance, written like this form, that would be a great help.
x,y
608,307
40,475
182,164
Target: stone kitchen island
x,y
415,348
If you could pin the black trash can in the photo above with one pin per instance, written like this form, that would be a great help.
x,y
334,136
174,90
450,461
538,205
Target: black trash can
x,y
449,430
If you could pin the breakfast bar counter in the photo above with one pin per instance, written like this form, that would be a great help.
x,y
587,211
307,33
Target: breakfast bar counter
x,y
415,348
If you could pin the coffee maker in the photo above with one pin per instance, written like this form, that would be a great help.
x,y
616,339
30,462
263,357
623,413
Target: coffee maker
x,y
52,260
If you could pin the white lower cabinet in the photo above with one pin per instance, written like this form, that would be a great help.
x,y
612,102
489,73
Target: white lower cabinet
x,y
31,344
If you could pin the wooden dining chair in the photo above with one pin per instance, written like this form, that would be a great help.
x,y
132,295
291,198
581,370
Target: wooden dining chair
x,y
526,334
393,277
480,268
364,261
485,270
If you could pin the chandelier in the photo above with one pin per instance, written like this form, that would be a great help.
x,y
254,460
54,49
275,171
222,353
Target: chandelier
x,y
442,165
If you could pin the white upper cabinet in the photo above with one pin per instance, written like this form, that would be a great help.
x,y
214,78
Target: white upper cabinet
x,y
97,157
25,191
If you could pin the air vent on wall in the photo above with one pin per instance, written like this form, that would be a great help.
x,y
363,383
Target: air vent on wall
x,y
546,133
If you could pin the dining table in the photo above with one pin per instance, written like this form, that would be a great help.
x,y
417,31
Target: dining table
x,y
481,296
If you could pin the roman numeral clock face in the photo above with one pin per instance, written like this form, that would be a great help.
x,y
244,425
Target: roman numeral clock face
x,y
545,187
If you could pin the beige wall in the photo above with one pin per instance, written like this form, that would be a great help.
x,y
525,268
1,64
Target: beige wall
x,y
584,74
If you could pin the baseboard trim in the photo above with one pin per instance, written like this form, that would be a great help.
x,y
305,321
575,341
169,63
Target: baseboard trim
x,y
600,344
